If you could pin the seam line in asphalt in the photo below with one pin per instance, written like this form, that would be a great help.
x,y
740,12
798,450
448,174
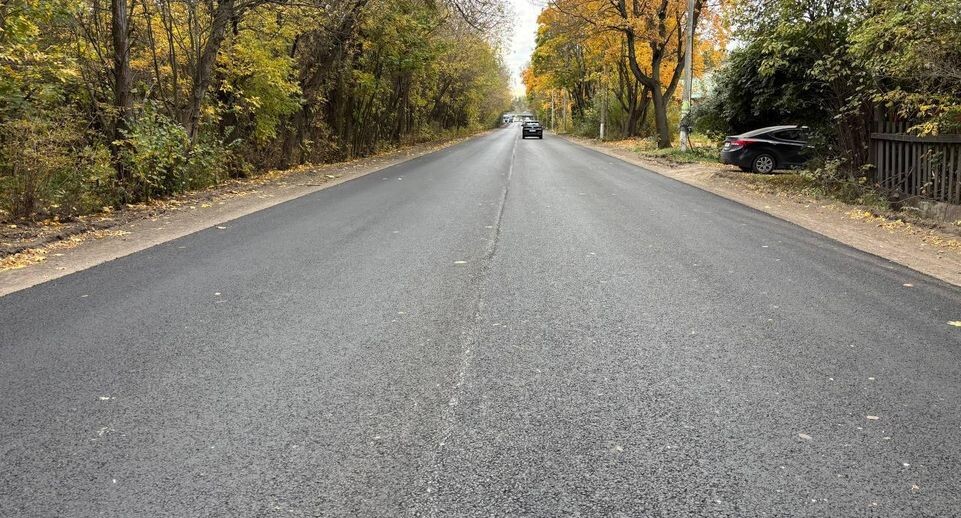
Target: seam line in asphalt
x,y
468,340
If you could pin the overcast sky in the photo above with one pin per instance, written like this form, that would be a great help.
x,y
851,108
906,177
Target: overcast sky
x,y
522,39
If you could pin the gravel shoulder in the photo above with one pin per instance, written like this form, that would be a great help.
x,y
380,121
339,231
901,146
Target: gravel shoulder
x,y
927,249
30,255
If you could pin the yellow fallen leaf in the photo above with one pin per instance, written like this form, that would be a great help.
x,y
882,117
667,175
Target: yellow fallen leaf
x,y
955,323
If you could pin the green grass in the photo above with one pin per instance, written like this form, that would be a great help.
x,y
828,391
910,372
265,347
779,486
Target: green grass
x,y
704,150
804,183
701,154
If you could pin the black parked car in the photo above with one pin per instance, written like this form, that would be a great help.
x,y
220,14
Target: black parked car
x,y
766,149
532,129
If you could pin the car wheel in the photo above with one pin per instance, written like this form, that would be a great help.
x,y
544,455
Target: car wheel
x,y
540,137
746,169
764,163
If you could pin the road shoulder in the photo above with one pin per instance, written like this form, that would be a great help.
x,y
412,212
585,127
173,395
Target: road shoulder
x,y
110,236
926,250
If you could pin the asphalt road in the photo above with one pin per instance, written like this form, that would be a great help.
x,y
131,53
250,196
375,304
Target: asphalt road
x,y
503,328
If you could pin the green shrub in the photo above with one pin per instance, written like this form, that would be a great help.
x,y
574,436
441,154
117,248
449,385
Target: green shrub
x,y
161,160
834,178
44,165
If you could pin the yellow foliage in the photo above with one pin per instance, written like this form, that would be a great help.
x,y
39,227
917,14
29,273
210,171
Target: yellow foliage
x,y
636,49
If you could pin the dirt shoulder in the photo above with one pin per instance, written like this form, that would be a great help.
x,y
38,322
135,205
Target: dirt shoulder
x,y
926,247
34,254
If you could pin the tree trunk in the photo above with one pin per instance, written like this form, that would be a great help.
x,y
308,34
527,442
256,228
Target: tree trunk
x,y
638,112
645,105
203,71
653,83
661,94
122,86
660,117
323,53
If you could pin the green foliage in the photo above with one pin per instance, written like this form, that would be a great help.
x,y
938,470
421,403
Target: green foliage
x,y
162,160
34,64
699,154
285,83
47,170
831,64
753,91
258,89
913,50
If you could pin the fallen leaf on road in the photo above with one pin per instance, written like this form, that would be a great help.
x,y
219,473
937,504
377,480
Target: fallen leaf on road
x,y
872,418
955,323
805,436
222,228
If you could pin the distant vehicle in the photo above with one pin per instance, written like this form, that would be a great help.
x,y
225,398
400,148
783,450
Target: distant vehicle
x,y
524,117
767,149
532,128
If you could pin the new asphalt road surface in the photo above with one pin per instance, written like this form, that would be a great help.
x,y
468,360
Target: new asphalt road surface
x,y
505,327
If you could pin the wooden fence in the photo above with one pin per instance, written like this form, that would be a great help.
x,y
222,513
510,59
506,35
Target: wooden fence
x,y
911,166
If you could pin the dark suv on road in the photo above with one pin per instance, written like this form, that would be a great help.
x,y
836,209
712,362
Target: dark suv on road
x,y
532,129
766,149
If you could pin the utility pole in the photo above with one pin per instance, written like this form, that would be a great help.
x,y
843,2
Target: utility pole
x,y
604,107
688,77
565,112
564,117
552,109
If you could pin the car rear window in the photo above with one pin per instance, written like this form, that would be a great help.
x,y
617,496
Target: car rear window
x,y
762,131
788,135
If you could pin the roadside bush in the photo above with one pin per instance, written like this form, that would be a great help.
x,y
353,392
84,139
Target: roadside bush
x,y
47,169
31,156
588,124
836,179
162,161
89,187
751,92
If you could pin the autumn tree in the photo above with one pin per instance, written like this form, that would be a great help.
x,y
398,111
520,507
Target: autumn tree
x,y
637,47
653,34
124,100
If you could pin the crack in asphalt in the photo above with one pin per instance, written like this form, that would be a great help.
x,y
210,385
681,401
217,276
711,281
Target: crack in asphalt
x,y
468,341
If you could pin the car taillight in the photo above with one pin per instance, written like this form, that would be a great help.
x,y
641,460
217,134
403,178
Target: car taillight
x,y
739,143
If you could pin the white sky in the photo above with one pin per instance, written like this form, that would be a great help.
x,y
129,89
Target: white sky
x,y
522,39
